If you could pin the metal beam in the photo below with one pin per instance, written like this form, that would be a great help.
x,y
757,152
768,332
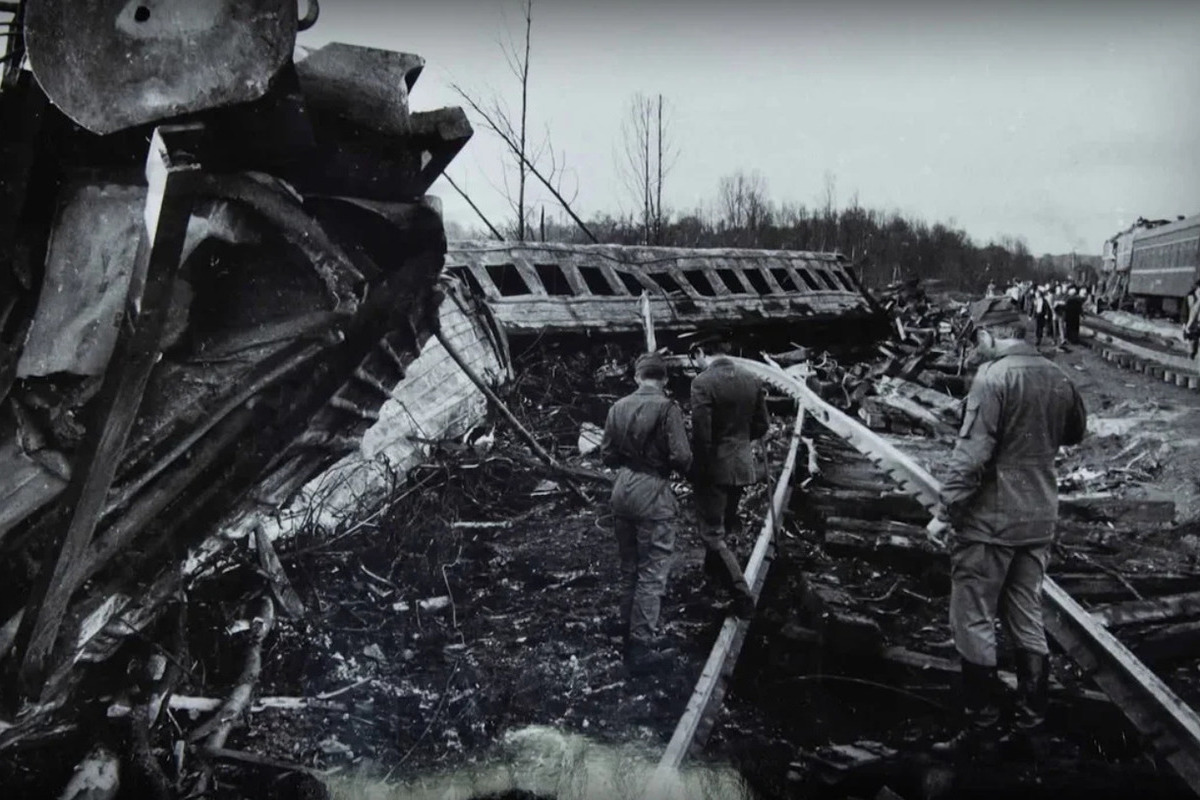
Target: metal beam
x,y
172,171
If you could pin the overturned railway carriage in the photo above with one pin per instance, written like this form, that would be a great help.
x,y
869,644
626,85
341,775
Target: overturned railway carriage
x,y
1164,263
537,288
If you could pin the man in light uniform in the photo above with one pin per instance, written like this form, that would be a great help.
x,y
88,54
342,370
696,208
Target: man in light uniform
x,y
645,438
999,504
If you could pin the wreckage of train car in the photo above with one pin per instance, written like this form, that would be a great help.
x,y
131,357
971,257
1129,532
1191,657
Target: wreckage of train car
x,y
538,288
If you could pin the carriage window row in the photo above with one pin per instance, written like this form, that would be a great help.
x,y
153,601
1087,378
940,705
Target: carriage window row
x,y
1175,254
510,282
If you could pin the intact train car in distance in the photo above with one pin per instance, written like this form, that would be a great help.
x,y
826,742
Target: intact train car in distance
x,y
1164,264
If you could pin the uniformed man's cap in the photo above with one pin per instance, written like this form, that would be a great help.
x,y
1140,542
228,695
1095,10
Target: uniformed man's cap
x,y
650,365
994,311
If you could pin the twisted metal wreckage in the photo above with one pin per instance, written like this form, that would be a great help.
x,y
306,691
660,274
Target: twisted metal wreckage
x,y
204,353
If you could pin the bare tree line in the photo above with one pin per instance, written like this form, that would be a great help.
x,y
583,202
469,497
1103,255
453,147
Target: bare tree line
x,y
885,245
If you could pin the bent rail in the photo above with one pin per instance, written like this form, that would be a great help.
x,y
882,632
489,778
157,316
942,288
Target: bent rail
x,y
697,719
1169,724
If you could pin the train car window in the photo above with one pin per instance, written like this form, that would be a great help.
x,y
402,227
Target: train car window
x,y
824,275
807,277
597,284
783,279
553,279
667,283
757,281
730,279
700,281
631,283
465,275
507,279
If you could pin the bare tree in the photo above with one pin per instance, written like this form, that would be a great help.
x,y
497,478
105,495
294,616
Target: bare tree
x,y
743,204
645,161
514,131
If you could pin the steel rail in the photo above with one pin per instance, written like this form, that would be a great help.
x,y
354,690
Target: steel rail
x,y
697,720
1169,724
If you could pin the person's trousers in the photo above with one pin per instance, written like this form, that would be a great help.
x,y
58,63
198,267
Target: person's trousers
x,y
716,516
1041,323
646,547
987,581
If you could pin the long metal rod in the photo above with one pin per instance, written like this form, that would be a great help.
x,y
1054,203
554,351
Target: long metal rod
x,y
706,699
1170,725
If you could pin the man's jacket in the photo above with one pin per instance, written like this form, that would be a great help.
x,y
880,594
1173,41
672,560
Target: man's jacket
x,y
644,436
1000,485
729,408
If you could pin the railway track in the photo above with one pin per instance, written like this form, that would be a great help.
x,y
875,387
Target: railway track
x,y
1169,726
1160,358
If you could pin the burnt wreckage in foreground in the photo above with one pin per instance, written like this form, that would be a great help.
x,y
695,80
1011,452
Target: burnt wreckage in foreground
x,y
184,346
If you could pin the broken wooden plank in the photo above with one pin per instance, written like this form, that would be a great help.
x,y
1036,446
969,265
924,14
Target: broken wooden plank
x,y
1169,643
1149,508
1098,587
1154,609
281,587
171,170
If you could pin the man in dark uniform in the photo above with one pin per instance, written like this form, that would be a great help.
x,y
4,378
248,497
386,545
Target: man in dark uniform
x,y
729,409
1000,503
644,437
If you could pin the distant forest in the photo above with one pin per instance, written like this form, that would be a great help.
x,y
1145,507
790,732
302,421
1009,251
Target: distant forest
x,y
883,246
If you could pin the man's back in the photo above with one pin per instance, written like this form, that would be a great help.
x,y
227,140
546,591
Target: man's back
x,y
1020,410
728,410
644,435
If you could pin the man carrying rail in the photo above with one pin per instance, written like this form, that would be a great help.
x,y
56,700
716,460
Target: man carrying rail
x,y
1000,504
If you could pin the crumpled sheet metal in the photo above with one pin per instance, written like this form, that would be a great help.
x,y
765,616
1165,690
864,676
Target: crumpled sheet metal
x,y
30,481
114,64
89,265
363,85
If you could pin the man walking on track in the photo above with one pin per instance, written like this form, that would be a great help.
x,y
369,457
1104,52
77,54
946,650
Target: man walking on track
x,y
645,438
1000,503
729,409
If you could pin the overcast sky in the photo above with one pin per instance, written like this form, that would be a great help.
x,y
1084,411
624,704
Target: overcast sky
x,y
1060,122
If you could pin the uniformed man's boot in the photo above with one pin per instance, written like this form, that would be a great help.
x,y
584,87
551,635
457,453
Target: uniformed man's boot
x,y
642,659
1029,711
980,732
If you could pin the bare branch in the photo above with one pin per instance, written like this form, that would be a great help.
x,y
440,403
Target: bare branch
x,y
474,207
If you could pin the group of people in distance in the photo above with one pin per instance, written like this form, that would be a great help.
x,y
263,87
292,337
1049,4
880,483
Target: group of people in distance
x,y
996,513
1056,308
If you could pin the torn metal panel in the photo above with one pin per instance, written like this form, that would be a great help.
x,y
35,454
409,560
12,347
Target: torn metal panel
x,y
561,288
30,482
363,85
435,400
113,64
89,264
